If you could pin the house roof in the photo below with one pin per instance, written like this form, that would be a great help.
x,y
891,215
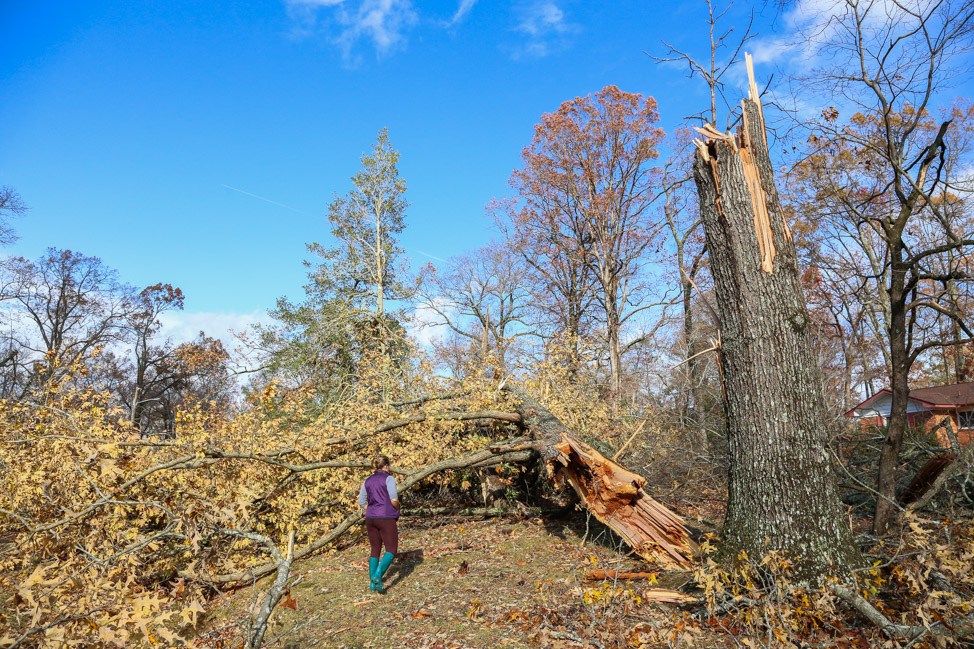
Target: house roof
x,y
940,396
958,394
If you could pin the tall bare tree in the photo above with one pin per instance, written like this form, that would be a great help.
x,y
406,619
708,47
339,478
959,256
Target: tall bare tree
x,y
11,205
724,53
887,64
682,216
144,325
482,297
553,245
68,305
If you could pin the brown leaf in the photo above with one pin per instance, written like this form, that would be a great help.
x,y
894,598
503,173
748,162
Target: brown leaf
x,y
289,602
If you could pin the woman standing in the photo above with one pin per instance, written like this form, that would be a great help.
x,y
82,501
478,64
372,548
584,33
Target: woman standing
x,y
380,500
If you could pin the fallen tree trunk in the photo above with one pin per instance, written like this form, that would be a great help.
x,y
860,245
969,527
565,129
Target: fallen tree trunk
x,y
478,512
961,630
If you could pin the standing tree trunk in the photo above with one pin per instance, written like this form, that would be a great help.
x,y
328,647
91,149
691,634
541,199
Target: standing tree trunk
x,y
695,416
782,493
612,327
889,456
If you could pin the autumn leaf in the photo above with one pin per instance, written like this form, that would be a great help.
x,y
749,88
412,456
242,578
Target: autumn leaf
x,y
190,613
290,602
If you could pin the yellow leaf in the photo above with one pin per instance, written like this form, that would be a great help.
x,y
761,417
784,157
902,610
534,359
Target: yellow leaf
x,y
190,612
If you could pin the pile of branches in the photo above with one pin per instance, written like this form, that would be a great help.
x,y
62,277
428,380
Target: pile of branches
x,y
112,539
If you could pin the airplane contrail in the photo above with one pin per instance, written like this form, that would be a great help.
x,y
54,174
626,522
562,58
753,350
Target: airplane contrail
x,y
266,200
426,254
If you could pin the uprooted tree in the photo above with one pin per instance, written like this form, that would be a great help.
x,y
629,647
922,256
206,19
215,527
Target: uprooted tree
x,y
782,494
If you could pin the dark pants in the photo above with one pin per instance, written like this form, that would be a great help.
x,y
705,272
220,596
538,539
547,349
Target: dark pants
x,y
382,531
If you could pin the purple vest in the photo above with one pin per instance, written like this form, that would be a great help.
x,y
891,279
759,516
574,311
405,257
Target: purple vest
x,y
380,506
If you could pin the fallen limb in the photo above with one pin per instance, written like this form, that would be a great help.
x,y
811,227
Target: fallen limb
x,y
426,399
265,569
868,611
605,575
255,636
497,415
613,494
186,461
962,629
293,468
667,596
473,512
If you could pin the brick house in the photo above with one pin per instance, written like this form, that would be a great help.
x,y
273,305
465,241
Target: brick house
x,y
927,408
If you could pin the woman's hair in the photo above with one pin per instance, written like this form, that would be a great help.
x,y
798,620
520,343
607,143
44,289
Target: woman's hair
x,y
380,462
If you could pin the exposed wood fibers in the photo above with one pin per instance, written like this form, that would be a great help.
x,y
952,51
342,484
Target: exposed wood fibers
x,y
615,497
742,146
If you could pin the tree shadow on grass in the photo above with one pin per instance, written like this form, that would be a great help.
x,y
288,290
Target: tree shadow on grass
x,y
403,566
581,526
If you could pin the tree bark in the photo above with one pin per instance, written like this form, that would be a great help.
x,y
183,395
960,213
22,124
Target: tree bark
x,y
782,493
612,327
889,455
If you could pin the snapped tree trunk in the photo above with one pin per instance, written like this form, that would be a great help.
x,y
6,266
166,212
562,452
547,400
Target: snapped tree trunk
x,y
611,493
782,493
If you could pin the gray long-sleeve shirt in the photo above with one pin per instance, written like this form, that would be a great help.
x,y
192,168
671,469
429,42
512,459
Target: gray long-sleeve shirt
x,y
363,497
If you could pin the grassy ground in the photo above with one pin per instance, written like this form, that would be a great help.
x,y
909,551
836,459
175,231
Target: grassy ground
x,y
493,583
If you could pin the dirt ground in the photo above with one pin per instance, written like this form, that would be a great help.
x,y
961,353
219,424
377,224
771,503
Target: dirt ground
x,y
491,583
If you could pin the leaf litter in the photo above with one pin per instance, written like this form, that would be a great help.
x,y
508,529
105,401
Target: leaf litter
x,y
466,584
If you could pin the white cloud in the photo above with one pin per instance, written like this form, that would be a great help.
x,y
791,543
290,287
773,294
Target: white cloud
x,y
812,28
462,10
183,326
815,36
770,50
545,29
384,23
541,19
426,325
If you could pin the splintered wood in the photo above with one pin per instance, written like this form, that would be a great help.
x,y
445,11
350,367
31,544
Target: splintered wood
x,y
743,147
615,497
762,222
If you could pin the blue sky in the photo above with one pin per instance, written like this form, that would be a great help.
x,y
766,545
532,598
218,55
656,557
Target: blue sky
x,y
200,143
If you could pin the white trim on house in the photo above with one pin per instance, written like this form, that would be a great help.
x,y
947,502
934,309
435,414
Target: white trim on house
x,y
883,404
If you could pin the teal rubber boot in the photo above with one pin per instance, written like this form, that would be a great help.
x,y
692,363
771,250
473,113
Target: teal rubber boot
x,y
380,571
373,577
